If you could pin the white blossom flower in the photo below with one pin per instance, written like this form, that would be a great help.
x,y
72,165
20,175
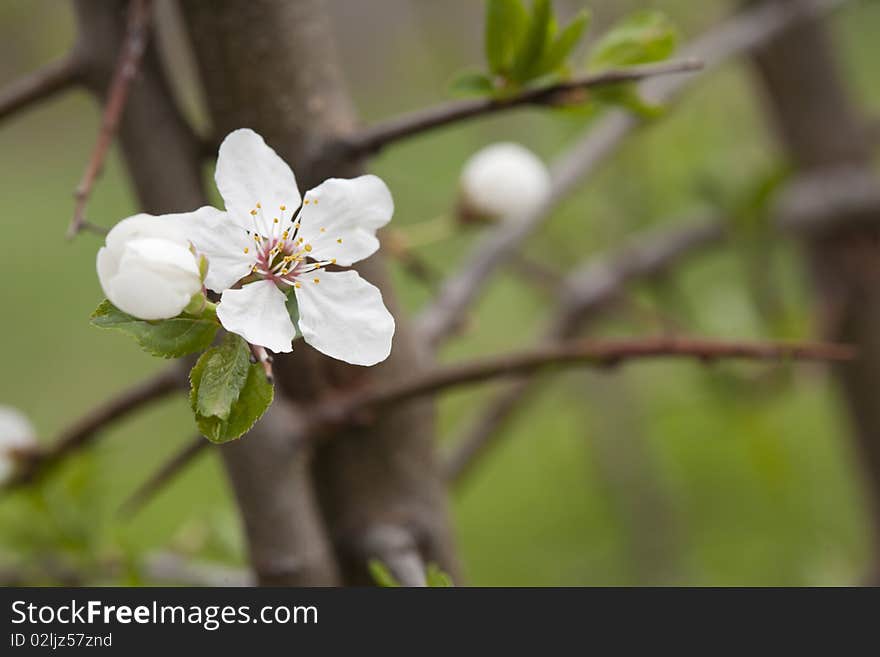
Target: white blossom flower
x,y
17,434
500,181
147,268
270,242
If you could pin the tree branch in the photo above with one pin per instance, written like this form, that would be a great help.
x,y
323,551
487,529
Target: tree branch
x,y
372,139
163,476
586,292
85,430
567,354
739,34
40,85
133,47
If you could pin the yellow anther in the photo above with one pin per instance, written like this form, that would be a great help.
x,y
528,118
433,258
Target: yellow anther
x,y
339,241
306,202
284,271
275,220
297,285
317,280
296,225
254,212
332,261
246,249
316,201
259,206
323,230
308,247
285,234
282,207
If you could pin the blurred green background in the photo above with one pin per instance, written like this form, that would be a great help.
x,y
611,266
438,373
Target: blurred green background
x,y
655,473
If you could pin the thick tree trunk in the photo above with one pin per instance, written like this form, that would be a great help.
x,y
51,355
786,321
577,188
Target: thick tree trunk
x,y
270,65
820,130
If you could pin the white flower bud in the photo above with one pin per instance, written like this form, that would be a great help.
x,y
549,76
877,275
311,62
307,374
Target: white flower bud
x,y
501,181
16,435
147,269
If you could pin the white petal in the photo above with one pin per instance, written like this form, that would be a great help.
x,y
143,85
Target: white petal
x,y
258,313
156,279
250,172
16,433
223,242
168,227
349,212
344,316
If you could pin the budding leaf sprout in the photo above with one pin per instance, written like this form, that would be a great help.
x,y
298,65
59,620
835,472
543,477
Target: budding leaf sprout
x,y
525,47
434,575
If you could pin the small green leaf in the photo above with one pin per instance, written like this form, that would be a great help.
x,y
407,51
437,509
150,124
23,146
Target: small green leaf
x,y
640,38
531,50
436,578
223,372
506,21
627,96
380,574
472,83
168,338
558,51
254,396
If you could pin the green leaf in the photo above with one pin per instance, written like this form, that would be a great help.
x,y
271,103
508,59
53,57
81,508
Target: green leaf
x,y
627,96
223,372
471,83
380,574
640,38
168,338
254,396
530,51
436,578
558,51
506,21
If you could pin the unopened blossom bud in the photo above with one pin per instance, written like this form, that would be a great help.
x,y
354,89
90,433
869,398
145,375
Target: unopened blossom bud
x,y
148,268
501,181
17,437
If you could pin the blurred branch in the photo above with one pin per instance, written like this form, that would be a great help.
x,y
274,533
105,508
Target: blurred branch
x,y
156,568
372,139
167,472
133,47
739,34
395,548
587,291
85,430
40,85
567,354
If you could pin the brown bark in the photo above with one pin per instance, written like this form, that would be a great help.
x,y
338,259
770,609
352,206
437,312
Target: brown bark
x,y
270,65
820,129
163,158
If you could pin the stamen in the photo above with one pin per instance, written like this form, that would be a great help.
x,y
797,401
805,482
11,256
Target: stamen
x,y
308,248
317,280
339,241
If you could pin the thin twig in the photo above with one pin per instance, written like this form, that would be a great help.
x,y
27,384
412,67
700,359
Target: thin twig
x,y
134,45
568,354
82,432
263,358
169,470
40,85
739,34
416,123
